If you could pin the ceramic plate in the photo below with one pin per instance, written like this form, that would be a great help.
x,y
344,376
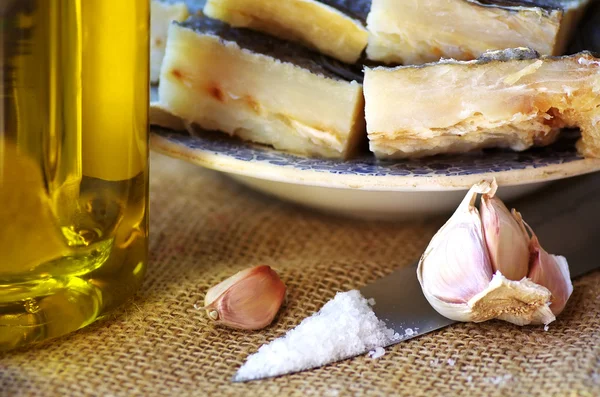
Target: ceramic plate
x,y
387,190
369,188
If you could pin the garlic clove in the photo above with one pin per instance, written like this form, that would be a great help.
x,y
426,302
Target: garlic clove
x,y
458,268
249,299
551,271
456,265
505,237
519,302
214,292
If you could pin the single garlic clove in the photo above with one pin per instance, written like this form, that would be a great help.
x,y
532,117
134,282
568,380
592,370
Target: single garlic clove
x,y
505,237
458,268
519,302
456,265
249,299
552,272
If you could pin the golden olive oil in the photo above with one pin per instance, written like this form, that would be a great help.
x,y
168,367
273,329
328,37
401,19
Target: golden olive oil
x,y
73,162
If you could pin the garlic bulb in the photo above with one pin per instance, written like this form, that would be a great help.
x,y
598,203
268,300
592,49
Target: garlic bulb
x,y
483,265
250,299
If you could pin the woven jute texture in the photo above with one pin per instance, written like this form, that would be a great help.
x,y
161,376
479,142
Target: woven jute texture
x,y
204,228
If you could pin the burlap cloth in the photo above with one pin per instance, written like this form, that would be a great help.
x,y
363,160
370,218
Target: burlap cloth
x,y
204,228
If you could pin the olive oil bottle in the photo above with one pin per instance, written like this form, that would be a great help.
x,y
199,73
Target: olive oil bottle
x,y
73,162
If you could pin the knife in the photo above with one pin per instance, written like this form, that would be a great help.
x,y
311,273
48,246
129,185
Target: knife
x,y
566,218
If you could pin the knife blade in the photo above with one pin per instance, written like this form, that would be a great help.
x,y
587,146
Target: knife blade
x,y
566,219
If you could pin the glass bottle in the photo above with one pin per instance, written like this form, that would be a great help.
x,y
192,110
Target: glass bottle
x,y
73,162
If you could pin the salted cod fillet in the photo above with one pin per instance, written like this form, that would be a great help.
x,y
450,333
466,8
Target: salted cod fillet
x,y
260,89
413,32
508,99
161,16
333,27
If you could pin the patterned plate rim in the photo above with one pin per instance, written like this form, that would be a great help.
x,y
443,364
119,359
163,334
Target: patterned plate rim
x,y
201,151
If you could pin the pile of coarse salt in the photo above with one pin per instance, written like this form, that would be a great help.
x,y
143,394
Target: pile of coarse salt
x,y
344,327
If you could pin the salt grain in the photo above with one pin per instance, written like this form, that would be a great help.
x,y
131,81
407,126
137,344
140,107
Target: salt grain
x,y
345,326
546,327
451,362
409,332
378,352
371,301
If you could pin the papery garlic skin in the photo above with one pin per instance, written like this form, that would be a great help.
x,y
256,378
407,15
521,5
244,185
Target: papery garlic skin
x,y
456,266
552,272
506,239
248,300
456,275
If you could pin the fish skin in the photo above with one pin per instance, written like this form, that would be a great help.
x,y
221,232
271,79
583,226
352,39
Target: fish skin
x,y
358,9
543,4
506,55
